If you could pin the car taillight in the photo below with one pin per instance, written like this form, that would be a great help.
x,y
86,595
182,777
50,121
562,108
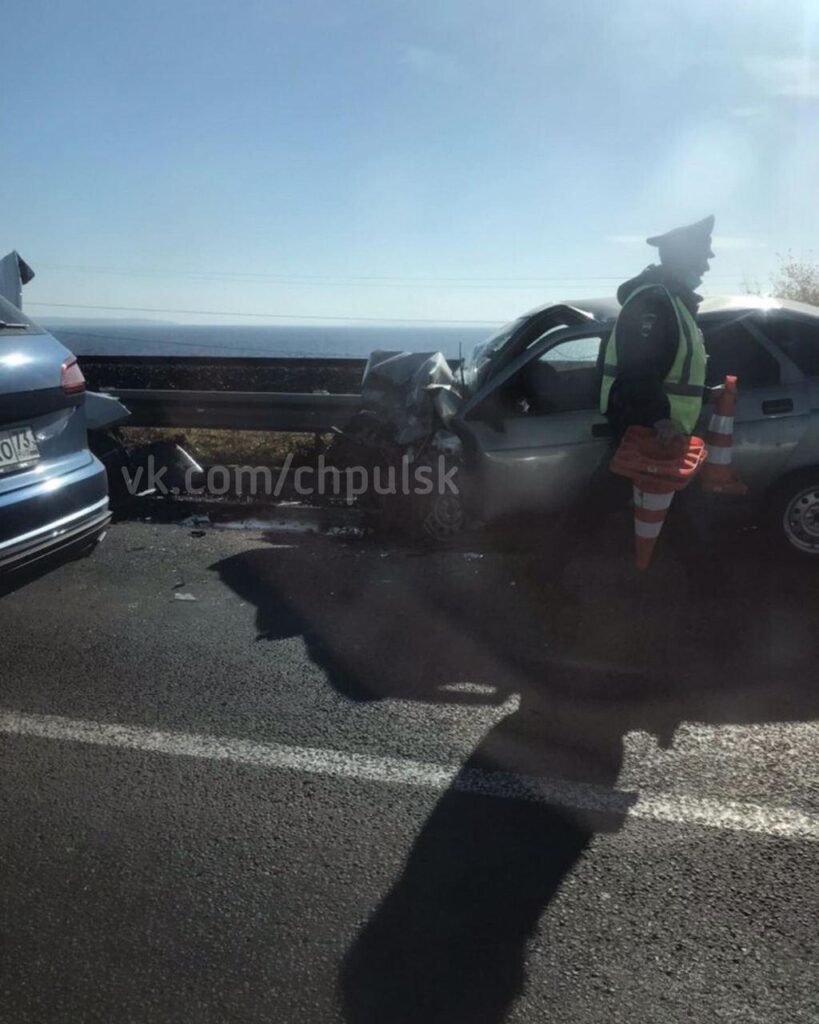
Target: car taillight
x,y
71,379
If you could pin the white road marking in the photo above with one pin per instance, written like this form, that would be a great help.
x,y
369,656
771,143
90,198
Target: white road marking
x,y
735,816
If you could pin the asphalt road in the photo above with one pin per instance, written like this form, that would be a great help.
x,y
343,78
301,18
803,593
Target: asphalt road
x,y
353,782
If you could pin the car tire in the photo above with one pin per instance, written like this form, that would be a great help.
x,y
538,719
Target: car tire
x,y
443,519
434,520
793,514
438,518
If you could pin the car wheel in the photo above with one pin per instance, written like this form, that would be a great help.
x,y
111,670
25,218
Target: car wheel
x,y
794,513
444,519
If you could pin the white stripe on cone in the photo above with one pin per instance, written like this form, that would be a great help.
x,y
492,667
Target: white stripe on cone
x,y
719,456
650,501
647,530
721,424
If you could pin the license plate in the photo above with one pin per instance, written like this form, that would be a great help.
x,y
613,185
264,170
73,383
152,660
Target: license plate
x,y
18,448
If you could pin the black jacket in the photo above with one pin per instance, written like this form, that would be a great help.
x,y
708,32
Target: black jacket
x,y
647,340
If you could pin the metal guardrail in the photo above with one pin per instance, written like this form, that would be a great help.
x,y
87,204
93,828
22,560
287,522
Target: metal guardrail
x,y
238,410
229,374
309,364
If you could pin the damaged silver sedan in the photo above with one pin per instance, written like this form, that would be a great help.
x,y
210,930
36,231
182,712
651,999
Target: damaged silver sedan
x,y
519,416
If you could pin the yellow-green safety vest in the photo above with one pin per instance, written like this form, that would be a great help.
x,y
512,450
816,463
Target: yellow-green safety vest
x,y
685,384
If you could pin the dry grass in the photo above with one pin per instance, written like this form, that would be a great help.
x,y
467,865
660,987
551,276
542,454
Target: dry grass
x,y
234,447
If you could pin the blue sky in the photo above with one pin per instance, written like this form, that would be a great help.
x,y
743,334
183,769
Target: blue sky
x,y
457,159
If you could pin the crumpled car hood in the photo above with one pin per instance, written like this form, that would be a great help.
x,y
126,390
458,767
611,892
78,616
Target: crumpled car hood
x,y
400,388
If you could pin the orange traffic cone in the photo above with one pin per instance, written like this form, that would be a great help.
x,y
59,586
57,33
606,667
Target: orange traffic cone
x,y
650,509
717,475
656,472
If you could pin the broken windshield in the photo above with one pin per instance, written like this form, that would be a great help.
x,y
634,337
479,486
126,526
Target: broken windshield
x,y
483,352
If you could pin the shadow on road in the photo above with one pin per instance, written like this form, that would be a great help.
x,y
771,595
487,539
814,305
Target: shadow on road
x,y
390,623
599,656
449,943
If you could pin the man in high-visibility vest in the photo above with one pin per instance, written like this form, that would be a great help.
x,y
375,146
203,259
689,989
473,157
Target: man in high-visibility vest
x,y
653,368
654,360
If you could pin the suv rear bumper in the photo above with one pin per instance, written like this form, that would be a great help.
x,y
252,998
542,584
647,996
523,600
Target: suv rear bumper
x,y
63,512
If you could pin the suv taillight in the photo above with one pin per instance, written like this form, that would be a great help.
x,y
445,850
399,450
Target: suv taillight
x,y
71,379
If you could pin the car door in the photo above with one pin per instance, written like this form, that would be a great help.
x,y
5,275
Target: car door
x,y
537,457
773,405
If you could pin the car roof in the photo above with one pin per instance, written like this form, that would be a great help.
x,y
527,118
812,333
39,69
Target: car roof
x,y
755,303
606,309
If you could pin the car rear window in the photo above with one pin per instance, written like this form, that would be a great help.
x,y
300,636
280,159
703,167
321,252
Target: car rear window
x,y
798,339
733,351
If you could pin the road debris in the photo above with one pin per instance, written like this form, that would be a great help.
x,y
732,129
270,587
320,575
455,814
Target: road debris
x,y
196,520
